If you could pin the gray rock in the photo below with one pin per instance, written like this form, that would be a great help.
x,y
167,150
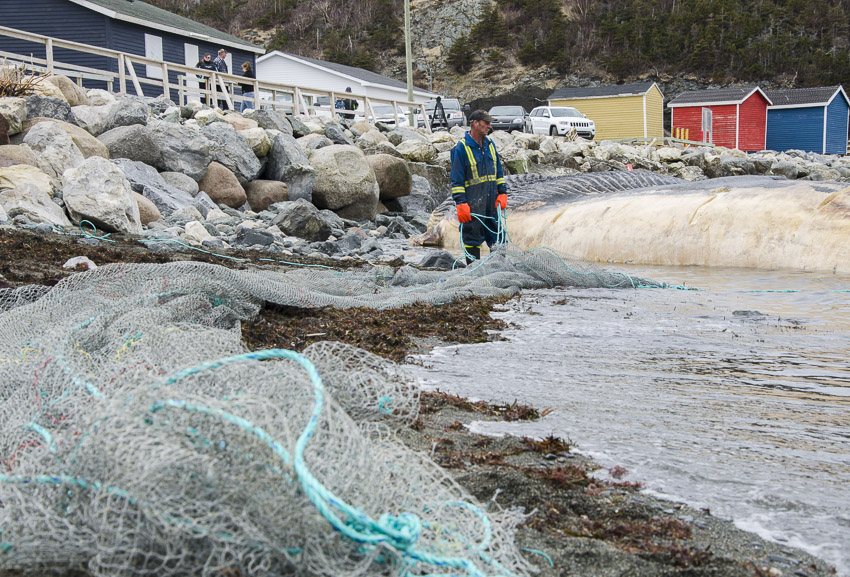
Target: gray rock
x,y
299,129
442,260
53,148
345,182
232,151
184,149
288,163
135,142
300,218
336,135
181,181
147,181
313,142
399,135
393,176
33,202
250,237
264,193
271,120
98,191
204,203
127,111
46,107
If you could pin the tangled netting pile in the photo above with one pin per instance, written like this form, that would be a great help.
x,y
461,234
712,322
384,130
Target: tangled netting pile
x,y
139,436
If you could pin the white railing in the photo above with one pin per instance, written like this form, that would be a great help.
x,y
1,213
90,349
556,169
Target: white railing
x,y
192,83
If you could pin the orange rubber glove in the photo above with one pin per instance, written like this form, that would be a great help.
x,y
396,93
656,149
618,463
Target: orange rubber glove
x,y
463,213
502,201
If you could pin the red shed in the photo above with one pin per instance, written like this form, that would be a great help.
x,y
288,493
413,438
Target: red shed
x,y
730,117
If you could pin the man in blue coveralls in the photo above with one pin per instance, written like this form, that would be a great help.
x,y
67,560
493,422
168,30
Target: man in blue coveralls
x,y
478,186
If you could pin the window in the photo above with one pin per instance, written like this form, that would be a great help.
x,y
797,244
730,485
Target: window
x,y
153,50
706,124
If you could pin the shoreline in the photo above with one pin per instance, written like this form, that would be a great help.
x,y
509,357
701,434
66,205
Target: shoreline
x,y
582,525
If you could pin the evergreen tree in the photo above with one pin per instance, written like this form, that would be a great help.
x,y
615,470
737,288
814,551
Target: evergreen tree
x,y
461,54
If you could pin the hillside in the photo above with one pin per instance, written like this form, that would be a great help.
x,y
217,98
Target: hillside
x,y
480,49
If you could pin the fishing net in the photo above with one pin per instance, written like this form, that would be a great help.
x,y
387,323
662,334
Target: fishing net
x,y
139,436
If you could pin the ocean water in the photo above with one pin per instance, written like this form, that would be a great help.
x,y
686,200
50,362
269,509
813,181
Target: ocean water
x,y
734,397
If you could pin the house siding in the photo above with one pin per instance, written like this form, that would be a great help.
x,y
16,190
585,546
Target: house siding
x,y
753,119
615,117
654,113
724,122
130,38
621,116
795,128
67,21
836,125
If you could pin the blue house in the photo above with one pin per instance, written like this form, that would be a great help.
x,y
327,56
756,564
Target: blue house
x,y
129,26
810,119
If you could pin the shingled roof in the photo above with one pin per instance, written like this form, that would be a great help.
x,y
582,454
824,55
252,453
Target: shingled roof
x,y
139,12
715,97
801,97
580,92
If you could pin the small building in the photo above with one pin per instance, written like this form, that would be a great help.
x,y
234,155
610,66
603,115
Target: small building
x,y
129,26
810,119
619,111
283,68
730,117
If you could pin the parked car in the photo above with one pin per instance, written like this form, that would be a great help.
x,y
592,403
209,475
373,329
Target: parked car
x,y
508,118
559,120
454,113
384,114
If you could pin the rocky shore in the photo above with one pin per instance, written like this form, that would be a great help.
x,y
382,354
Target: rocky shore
x,y
169,183
281,184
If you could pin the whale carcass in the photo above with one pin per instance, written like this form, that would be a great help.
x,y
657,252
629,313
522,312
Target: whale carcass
x,y
646,218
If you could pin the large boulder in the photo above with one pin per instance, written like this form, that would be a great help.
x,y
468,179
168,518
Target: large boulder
x,y
54,149
313,142
88,144
99,97
182,148
258,140
264,193
223,186
181,182
97,191
74,94
35,202
301,219
345,182
239,122
232,151
15,111
148,212
19,174
135,142
417,151
392,174
288,163
45,107
127,111
93,119
270,120
421,198
145,180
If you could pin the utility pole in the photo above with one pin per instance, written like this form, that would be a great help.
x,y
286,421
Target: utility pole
x,y
408,57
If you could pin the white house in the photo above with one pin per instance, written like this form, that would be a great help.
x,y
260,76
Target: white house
x,y
310,73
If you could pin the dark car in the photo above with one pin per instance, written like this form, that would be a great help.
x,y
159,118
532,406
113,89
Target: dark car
x,y
508,118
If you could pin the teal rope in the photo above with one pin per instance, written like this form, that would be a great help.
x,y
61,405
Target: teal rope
x,y
87,235
551,564
181,243
400,532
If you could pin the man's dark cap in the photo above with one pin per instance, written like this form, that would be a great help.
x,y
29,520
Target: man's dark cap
x,y
480,115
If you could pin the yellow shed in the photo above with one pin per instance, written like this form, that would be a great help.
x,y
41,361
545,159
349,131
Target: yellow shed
x,y
619,111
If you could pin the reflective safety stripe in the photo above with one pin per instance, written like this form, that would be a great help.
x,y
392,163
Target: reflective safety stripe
x,y
472,164
474,169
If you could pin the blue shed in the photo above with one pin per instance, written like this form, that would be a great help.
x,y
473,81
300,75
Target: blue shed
x,y
129,26
810,119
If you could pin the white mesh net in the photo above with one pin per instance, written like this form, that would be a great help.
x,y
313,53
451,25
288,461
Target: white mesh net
x,y
139,436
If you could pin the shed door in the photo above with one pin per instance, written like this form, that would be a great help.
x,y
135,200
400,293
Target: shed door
x,y
706,125
153,50
191,58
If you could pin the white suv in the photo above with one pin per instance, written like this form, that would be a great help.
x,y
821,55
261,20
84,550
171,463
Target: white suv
x,y
558,120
